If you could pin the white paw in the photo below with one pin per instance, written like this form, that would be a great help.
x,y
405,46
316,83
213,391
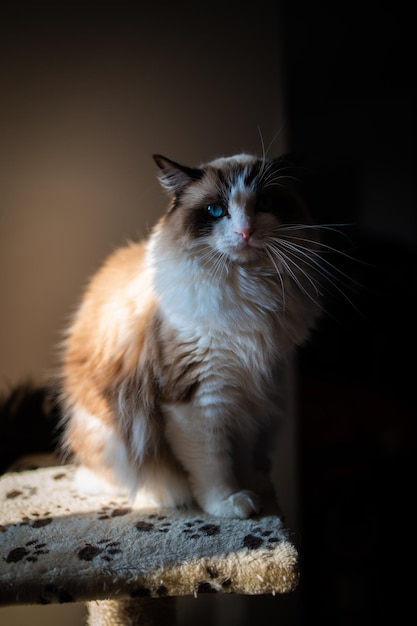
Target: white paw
x,y
241,504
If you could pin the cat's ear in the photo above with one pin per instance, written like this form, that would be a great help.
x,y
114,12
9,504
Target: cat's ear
x,y
173,176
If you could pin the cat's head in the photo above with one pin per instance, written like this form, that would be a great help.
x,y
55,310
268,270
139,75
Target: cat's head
x,y
237,207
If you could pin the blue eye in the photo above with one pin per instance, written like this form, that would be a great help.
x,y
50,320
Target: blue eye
x,y
216,210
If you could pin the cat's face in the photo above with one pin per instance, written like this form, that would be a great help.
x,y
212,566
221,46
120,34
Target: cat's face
x,y
233,208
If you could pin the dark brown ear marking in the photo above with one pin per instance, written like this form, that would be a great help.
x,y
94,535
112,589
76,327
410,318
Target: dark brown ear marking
x,y
173,176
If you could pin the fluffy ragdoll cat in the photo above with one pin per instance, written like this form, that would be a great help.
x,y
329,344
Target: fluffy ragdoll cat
x,y
171,353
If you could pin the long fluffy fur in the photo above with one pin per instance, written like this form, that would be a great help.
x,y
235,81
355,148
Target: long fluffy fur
x,y
171,353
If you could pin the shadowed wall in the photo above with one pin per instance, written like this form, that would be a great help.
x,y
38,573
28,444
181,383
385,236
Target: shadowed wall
x,y
88,95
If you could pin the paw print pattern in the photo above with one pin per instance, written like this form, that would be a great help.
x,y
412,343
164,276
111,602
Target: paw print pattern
x,y
260,537
30,552
214,583
105,549
24,493
197,528
107,512
37,520
154,523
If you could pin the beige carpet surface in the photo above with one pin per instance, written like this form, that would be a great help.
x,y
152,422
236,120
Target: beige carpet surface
x,y
59,545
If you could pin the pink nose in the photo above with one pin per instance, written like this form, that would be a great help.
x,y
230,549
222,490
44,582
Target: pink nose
x,y
245,233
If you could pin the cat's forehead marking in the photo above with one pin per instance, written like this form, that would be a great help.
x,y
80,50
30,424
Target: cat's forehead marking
x,y
235,174
243,159
240,191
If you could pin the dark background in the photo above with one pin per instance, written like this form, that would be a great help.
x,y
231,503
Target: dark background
x,y
351,103
350,106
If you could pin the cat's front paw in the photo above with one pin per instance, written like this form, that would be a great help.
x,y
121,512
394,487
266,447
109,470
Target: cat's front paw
x,y
241,504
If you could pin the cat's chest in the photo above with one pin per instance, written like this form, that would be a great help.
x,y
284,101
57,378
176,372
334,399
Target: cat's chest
x,y
241,302
197,365
220,343
217,335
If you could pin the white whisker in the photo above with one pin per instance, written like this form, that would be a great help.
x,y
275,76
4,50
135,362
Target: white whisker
x,y
270,177
271,143
285,263
216,261
316,262
320,227
319,255
271,256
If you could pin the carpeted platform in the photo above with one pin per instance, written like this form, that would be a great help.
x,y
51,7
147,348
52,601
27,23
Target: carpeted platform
x,y
60,545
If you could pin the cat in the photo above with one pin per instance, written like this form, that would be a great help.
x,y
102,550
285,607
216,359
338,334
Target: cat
x,y
170,357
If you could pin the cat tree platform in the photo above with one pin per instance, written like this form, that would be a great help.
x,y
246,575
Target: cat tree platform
x,y
59,545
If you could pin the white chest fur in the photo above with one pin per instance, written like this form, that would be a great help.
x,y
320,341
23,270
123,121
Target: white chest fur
x,y
193,298
228,323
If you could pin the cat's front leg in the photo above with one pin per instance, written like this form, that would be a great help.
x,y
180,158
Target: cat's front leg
x,y
206,455
240,504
